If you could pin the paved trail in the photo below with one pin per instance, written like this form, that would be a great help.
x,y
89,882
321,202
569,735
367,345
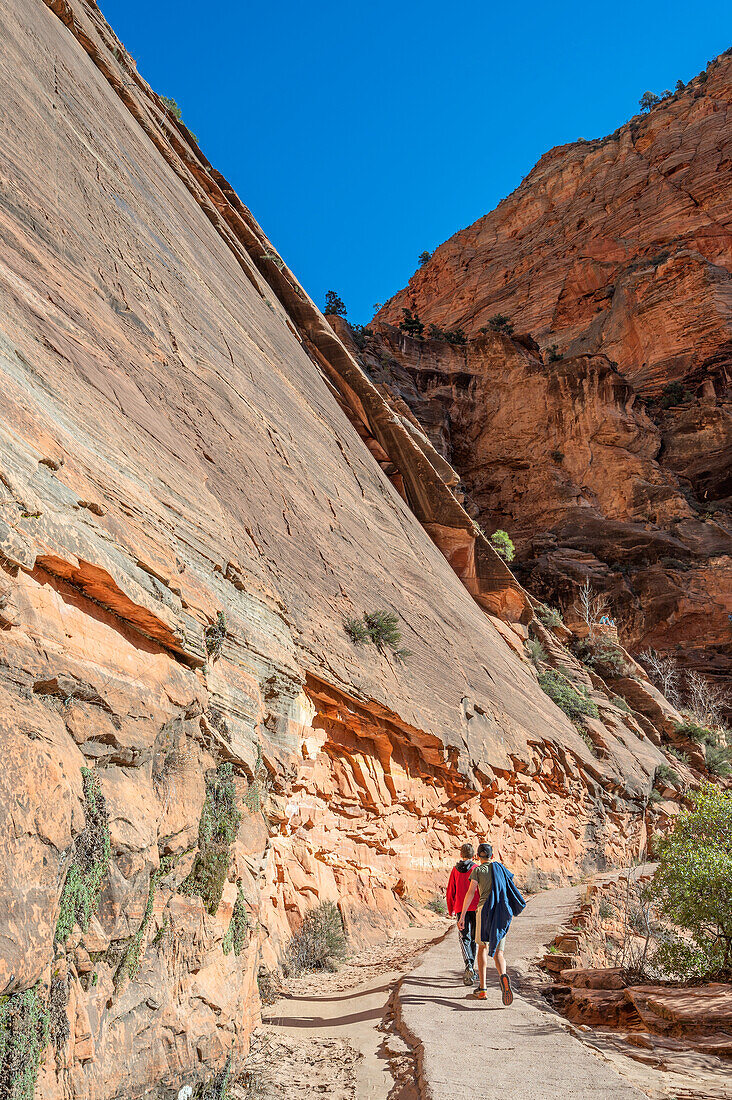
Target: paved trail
x,y
479,1050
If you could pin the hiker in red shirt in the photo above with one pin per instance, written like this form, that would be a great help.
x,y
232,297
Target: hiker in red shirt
x,y
457,888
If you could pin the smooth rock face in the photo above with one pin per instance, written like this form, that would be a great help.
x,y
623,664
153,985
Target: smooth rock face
x,y
621,244
182,435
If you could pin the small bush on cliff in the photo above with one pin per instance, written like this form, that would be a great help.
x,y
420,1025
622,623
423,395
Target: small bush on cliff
x,y
575,702
259,786
503,545
648,100
320,942
89,863
552,354
437,905
537,653
424,257
236,935
499,323
604,656
692,888
215,635
217,831
719,760
129,964
666,776
674,394
411,324
334,304
23,1036
550,616
379,627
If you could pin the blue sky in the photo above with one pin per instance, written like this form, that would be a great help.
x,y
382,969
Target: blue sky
x,y
360,134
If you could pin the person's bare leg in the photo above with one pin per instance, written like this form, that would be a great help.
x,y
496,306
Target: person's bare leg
x,y
482,964
500,960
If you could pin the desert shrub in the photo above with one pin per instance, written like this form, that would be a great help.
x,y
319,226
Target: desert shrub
x,y
59,1030
604,656
550,616
320,942
24,1030
606,911
588,741
424,257
360,335
215,635
553,355
655,796
437,905
89,863
674,394
701,735
217,831
621,704
455,336
129,964
269,985
666,775
411,324
259,786
537,653
692,888
499,323
334,304
575,702
379,627
236,935
503,545
719,760
218,1087
678,755
679,86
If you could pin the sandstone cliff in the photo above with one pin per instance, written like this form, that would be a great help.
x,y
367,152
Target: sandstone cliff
x,y
198,486
608,456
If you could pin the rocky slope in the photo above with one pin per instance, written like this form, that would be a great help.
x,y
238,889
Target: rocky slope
x,y
198,486
608,455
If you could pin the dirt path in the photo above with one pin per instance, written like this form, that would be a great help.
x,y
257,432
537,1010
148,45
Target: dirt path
x,y
478,1049
334,1035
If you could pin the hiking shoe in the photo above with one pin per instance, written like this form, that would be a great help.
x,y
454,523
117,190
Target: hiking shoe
x,y
468,976
477,995
506,991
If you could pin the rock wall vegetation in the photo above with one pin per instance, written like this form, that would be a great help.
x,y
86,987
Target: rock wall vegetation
x,y
607,453
199,488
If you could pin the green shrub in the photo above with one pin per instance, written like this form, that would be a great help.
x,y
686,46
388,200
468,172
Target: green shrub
x,y
24,1031
678,755
674,394
621,704
719,760
655,796
357,631
172,106
89,863
129,965
701,735
604,656
537,653
334,304
236,935
692,888
217,831
648,100
437,905
218,1087
503,545
550,616
424,257
665,774
499,323
215,635
411,324
320,942
575,702
379,627
606,911
588,741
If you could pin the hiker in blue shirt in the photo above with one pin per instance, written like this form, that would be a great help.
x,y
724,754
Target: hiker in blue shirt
x,y
499,903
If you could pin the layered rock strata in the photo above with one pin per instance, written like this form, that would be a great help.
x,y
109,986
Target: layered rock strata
x,y
198,486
